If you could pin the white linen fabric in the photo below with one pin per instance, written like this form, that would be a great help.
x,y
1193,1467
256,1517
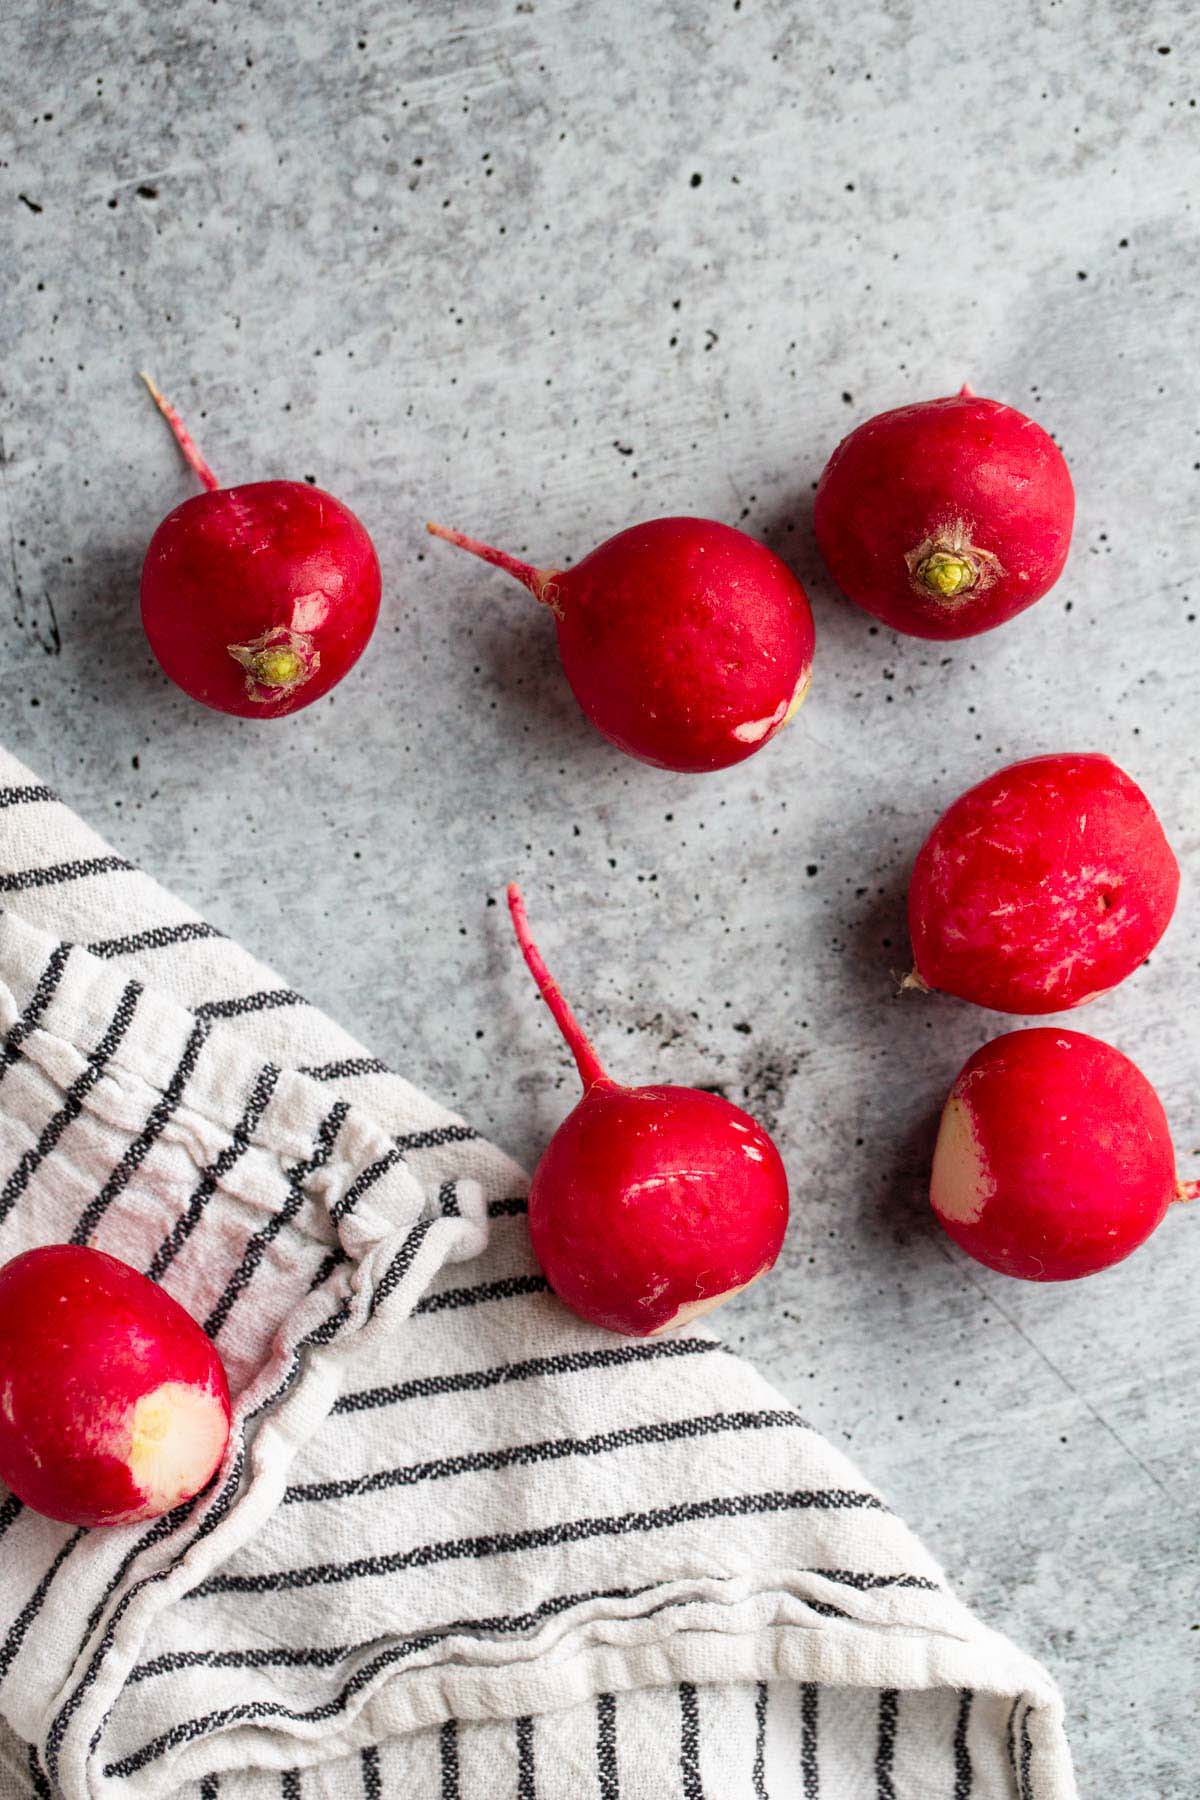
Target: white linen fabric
x,y
461,1543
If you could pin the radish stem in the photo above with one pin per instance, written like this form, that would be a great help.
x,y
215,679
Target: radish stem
x,y
536,580
587,1062
183,436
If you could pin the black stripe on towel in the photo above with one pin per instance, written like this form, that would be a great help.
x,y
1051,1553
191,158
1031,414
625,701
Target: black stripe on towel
x,y
809,1766
885,1751
826,1611
503,1209
24,796
72,1106
39,1000
962,1755
1026,1756
606,1746
10,1509
689,1742
448,1200
289,1785
270,1000
41,1786
372,1781
400,1264
758,1773
212,1176
342,1071
526,1773
573,1362
867,1582
33,1606
257,1244
452,1299
434,1138
448,1748
156,1123
21,880
157,937
332,1259
663,1431
572,1531
363,1181
210,1787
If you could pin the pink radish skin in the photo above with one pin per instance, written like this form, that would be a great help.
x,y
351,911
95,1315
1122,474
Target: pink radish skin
x,y
1042,887
257,599
946,518
650,1205
1054,1157
686,643
114,1406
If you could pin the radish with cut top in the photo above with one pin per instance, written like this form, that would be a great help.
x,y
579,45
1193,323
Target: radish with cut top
x,y
945,518
1042,887
114,1406
650,1205
1054,1157
686,643
257,599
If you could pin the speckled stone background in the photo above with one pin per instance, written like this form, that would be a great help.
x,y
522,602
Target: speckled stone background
x,y
542,269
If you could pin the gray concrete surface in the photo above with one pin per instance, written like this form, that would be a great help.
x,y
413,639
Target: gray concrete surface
x,y
542,269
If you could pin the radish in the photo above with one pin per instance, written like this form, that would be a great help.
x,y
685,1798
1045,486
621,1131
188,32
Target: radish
x,y
114,1406
650,1205
1042,887
257,599
686,643
1054,1157
945,518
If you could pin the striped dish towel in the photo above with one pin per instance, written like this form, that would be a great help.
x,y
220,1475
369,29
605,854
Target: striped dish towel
x,y
461,1544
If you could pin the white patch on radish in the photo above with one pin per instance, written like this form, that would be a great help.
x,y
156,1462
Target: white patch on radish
x,y
755,730
309,612
962,1183
176,1440
799,695
695,1308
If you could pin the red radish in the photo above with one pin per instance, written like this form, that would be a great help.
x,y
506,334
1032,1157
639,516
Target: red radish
x,y
257,599
1042,887
945,518
650,1205
113,1404
1054,1157
685,642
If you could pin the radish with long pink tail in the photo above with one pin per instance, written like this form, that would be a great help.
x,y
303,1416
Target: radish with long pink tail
x,y
687,644
650,1205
